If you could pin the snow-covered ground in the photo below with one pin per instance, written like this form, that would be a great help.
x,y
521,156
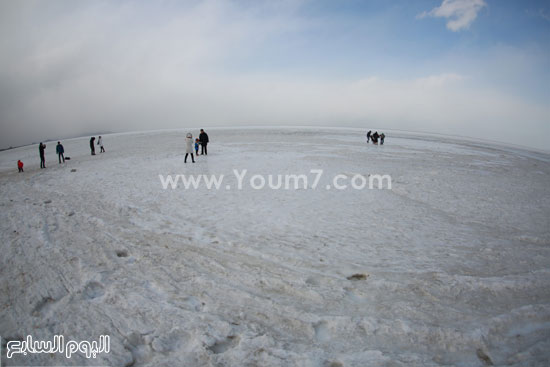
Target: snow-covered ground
x,y
456,255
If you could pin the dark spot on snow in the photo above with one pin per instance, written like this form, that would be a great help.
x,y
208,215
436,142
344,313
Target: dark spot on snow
x,y
7,339
358,276
70,214
223,345
45,301
47,201
122,253
483,357
73,170
333,364
131,363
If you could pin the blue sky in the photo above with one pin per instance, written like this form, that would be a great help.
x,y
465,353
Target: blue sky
x,y
353,39
467,67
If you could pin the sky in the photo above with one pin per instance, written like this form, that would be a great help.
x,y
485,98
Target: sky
x,y
476,68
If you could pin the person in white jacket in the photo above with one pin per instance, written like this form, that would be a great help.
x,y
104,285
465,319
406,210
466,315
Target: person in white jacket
x,y
100,143
189,147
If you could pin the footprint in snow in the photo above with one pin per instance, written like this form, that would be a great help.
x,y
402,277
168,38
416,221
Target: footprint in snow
x,y
93,290
193,303
321,332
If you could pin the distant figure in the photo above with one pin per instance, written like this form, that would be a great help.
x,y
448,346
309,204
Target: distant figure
x,y
20,165
60,150
92,145
382,136
189,147
374,138
368,135
41,149
100,143
197,141
203,137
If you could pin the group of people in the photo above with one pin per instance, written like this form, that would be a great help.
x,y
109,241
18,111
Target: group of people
x,y
99,142
60,151
202,140
374,137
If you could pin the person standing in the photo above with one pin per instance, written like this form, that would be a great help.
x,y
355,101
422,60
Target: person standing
x,y
100,143
41,149
382,137
189,147
368,135
60,150
92,148
203,137
20,165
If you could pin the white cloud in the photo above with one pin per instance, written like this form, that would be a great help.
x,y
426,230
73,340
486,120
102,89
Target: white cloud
x,y
459,13
439,80
544,15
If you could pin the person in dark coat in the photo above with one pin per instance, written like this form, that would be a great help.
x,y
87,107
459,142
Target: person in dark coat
x,y
382,137
60,150
92,145
375,137
41,149
203,138
368,135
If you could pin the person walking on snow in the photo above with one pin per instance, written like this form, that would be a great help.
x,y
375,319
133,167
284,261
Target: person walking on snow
x,y
20,165
382,136
197,142
100,143
41,149
203,137
374,138
92,148
189,147
368,135
60,150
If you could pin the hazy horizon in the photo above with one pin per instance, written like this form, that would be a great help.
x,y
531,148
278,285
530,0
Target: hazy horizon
x,y
475,68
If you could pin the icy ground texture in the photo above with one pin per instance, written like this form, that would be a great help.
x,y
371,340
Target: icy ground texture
x,y
457,254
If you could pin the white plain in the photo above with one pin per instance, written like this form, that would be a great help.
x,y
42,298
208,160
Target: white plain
x,y
457,253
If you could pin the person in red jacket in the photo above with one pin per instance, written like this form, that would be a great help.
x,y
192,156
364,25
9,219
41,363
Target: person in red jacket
x,y
20,165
